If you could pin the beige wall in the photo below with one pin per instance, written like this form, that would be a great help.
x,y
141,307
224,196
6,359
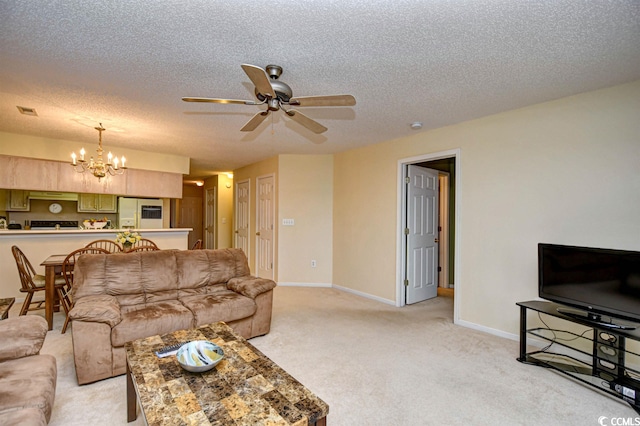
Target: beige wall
x,y
306,196
225,211
252,172
562,172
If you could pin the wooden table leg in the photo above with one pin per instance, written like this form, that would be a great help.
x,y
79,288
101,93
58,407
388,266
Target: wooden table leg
x,y
131,397
49,293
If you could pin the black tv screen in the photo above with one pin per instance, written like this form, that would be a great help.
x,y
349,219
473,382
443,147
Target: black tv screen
x,y
596,280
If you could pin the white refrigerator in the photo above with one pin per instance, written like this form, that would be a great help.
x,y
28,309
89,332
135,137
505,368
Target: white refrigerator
x,y
140,213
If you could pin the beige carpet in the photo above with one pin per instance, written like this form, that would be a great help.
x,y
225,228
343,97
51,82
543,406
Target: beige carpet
x,y
375,364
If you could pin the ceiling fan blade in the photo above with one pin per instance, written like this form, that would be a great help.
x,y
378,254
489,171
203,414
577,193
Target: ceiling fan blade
x,y
330,100
220,101
255,121
310,124
260,79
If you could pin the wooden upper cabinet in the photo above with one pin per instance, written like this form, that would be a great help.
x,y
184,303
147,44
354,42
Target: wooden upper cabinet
x,y
18,200
107,203
97,203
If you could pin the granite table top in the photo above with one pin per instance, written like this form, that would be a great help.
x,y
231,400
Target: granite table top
x,y
245,388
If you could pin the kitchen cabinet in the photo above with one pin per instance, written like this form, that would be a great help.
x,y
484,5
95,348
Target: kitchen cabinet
x,y
97,203
18,200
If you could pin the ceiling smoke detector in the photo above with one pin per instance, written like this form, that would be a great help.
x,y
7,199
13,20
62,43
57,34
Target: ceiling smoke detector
x,y
416,125
27,111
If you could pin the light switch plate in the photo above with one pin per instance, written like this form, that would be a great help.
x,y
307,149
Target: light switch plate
x,y
288,222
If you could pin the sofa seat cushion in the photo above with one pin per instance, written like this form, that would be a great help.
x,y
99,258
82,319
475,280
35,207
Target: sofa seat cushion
x,y
223,305
148,320
28,383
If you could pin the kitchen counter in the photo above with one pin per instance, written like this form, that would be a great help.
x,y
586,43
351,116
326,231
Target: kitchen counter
x,y
38,244
4,232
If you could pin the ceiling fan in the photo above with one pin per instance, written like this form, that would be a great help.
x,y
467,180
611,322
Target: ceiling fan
x,y
276,94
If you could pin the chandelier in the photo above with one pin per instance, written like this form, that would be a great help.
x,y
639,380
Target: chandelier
x,y
113,166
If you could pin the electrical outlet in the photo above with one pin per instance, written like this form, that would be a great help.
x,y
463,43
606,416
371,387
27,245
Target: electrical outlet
x,y
288,222
313,263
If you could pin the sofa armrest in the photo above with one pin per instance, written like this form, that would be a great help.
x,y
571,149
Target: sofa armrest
x,y
102,308
22,336
250,286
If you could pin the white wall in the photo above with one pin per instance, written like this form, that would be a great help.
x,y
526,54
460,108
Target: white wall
x,y
565,171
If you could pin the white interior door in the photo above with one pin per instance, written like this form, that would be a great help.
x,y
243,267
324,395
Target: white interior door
x,y
264,226
421,276
210,215
242,216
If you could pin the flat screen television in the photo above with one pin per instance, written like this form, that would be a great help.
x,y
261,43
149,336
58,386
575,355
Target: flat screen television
x,y
598,282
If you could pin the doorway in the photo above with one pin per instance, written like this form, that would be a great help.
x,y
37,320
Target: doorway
x,y
243,190
448,165
265,224
210,239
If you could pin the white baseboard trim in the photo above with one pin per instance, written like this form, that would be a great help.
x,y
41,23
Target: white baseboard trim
x,y
365,295
489,330
286,284
337,287
538,343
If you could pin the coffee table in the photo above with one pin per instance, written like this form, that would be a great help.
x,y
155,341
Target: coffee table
x,y
245,388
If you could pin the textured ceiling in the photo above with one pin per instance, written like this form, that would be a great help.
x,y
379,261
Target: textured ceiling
x,y
128,63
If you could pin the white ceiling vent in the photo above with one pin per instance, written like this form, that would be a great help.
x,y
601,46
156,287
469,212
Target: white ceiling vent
x,y
27,111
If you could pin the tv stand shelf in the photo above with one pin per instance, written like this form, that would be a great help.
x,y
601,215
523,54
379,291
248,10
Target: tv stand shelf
x,y
603,366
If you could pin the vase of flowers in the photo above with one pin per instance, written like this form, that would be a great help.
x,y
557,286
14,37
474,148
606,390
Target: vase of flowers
x,y
127,239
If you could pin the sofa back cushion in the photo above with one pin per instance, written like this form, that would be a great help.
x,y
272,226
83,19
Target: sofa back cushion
x,y
199,271
155,276
133,278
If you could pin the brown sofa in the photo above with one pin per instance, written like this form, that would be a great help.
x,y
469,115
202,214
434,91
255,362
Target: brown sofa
x,y
123,297
27,379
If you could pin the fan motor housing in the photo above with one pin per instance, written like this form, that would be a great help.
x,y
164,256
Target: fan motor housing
x,y
283,91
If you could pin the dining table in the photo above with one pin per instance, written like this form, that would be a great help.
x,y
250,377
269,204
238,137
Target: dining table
x,y
52,267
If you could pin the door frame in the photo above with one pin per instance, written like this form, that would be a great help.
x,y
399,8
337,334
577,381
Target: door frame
x,y
444,179
401,255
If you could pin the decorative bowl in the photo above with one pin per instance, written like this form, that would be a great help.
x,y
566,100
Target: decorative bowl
x,y
94,224
199,356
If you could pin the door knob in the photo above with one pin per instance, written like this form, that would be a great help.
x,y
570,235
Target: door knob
x,y
436,240
257,233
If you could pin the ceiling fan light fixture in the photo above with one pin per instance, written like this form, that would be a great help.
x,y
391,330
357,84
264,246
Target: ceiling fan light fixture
x,y
276,94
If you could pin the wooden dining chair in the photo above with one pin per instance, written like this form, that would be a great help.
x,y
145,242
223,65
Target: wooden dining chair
x,y
144,244
146,247
197,245
109,245
33,283
67,274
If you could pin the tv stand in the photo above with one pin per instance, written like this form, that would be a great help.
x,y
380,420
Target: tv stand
x,y
599,361
594,318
